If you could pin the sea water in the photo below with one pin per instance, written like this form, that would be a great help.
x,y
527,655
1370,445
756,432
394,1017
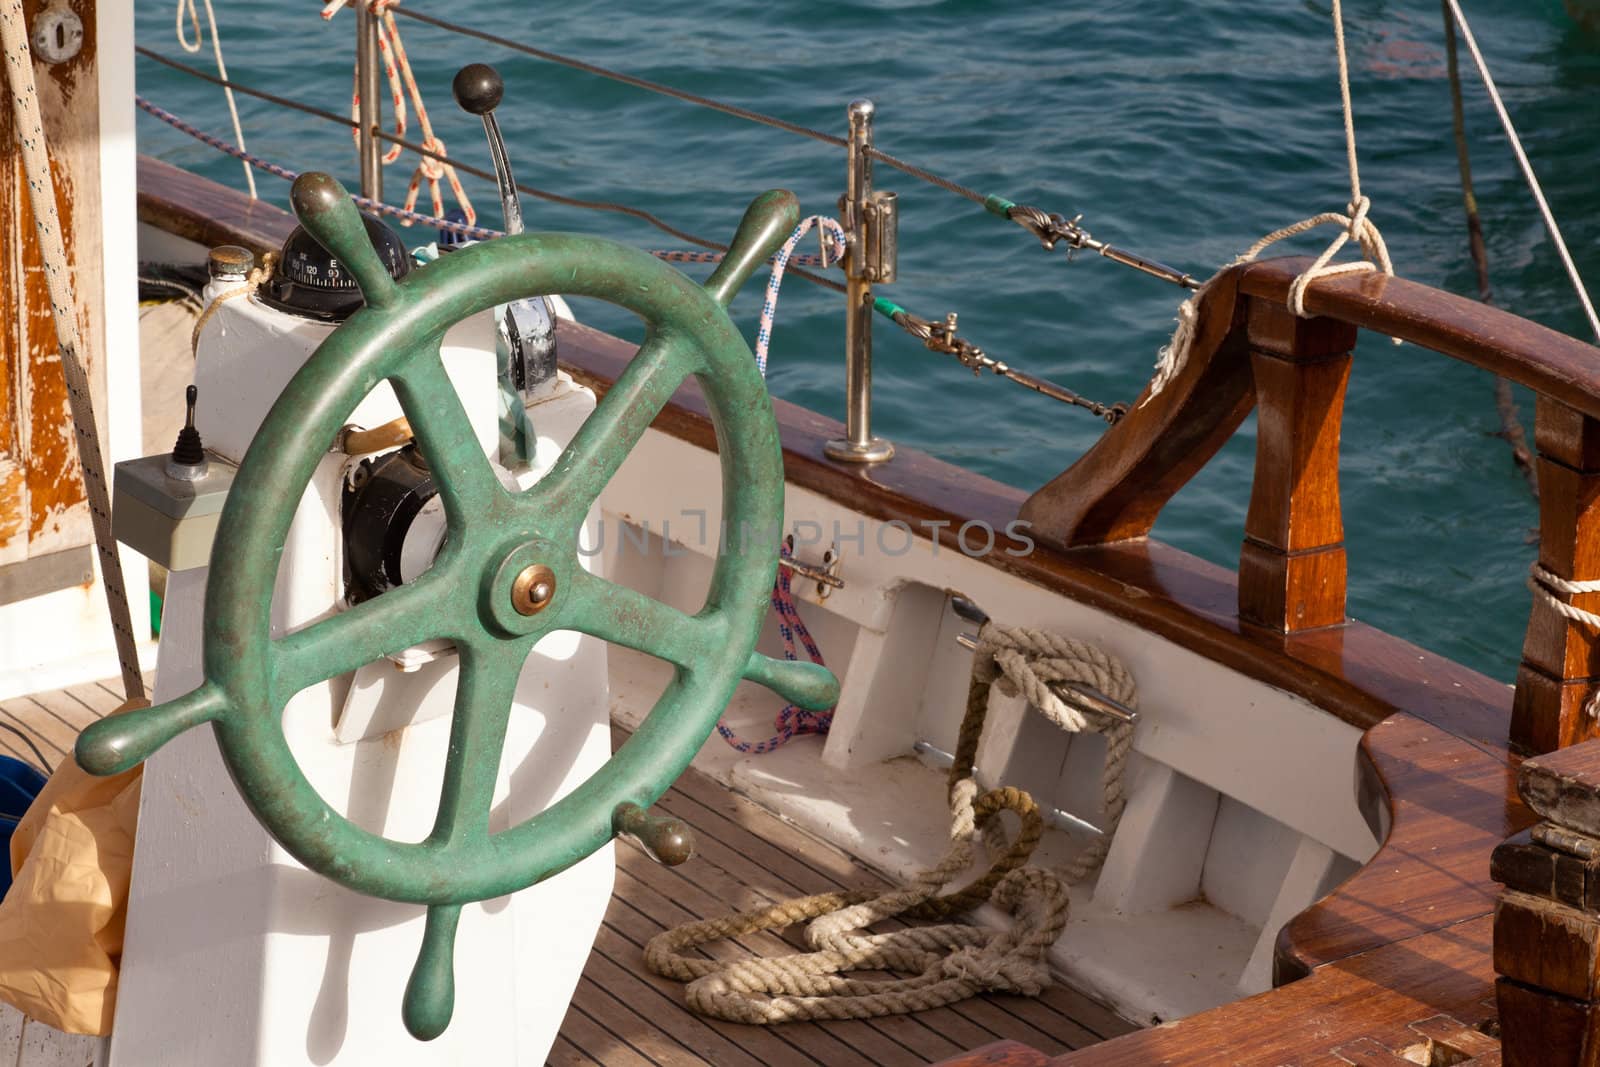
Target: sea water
x,y
1181,129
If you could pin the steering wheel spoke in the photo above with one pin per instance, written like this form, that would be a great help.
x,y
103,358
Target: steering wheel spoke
x,y
485,687
445,435
610,433
628,618
398,619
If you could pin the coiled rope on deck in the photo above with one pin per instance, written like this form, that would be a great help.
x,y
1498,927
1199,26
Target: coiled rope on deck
x,y
949,961
1354,226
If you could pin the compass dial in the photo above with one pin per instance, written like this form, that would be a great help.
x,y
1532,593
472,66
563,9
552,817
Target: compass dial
x,y
310,282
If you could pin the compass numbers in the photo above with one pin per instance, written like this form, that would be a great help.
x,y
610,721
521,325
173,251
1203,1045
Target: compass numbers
x,y
317,272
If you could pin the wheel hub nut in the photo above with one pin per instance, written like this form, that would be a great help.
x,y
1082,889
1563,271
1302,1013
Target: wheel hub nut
x,y
533,589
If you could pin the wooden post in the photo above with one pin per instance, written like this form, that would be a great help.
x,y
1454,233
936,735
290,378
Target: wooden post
x,y
1547,922
1561,657
1292,566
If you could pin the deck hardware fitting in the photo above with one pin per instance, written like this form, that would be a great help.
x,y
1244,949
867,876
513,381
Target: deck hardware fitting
x,y
825,574
862,214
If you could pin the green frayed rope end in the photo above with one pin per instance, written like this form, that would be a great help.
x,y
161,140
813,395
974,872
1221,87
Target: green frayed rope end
x,y
998,205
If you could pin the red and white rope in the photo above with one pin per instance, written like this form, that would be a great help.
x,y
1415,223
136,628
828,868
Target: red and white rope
x,y
403,83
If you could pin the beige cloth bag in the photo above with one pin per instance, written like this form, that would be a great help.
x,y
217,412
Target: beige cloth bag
x,y
61,924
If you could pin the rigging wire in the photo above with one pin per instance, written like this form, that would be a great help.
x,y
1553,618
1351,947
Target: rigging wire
x,y
1527,167
1511,428
467,168
1047,227
626,79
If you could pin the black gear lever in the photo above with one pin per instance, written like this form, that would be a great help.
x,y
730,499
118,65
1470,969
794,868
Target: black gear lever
x,y
478,88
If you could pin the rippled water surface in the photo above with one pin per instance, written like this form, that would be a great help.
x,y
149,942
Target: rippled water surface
x,y
1183,129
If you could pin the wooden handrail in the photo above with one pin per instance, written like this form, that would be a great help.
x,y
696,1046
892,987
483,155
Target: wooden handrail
x,y
1552,364
1249,351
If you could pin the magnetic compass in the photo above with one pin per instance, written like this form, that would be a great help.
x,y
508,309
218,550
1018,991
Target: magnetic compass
x,y
311,282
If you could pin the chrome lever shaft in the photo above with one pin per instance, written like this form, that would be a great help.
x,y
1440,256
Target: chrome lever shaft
x,y
478,88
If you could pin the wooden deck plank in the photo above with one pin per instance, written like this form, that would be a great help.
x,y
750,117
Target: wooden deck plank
x,y
13,745
54,736
640,1032
857,1041
634,925
593,1039
1050,1020
841,871
686,1028
565,1054
658,910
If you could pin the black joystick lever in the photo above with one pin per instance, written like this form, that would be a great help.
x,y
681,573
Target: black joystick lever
x,y
188,460
478,88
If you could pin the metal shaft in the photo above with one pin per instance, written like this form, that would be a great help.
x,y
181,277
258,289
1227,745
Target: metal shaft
x,y
510,206
371,109
858,444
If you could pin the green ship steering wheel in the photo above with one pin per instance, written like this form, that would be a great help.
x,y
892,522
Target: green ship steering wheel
x,y
508,573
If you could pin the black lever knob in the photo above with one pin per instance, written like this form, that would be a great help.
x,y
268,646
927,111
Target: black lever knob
x,y
478,88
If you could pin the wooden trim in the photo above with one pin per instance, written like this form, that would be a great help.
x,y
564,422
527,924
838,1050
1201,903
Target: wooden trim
x,y
1292,567
1117,488
28,578
1550,363
189,206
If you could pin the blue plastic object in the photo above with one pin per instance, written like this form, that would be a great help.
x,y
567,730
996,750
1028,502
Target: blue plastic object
x,y
19,786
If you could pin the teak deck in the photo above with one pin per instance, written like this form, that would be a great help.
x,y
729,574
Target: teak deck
x,y
624,1016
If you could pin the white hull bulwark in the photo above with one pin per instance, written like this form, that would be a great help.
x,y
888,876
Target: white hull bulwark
x,y
1243,799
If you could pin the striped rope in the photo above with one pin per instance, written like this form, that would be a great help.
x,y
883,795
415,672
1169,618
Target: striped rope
x,y
792,721
780,262
377,206
476,233
397,67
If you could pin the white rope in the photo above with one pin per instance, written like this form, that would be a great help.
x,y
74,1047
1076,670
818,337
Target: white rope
x,y
1545,585
1353,223
949,961
58,276
193,46
1527,167
1033,663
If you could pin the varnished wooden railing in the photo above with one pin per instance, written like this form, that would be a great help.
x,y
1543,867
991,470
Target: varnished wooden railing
x,y
1251,352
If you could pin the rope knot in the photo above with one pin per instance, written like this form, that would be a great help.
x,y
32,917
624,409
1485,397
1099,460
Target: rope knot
x,y
430,167
983,967
1359,229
